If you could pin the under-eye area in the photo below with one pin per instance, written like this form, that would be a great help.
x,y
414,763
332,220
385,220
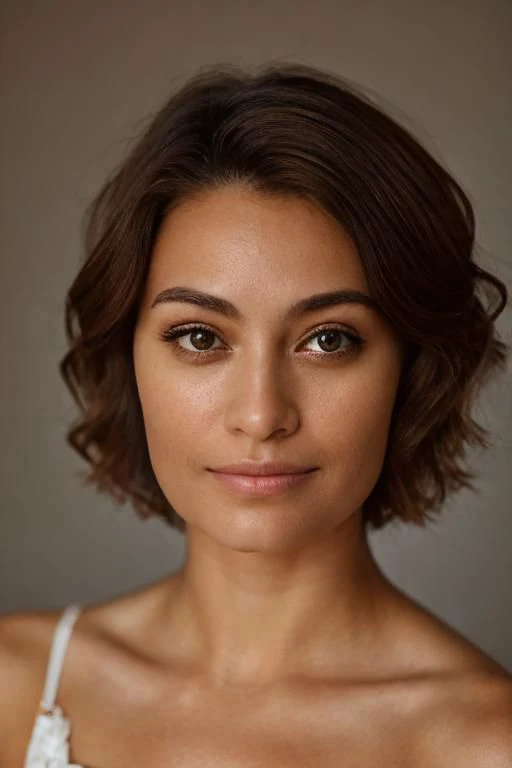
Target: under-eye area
x,y
331,341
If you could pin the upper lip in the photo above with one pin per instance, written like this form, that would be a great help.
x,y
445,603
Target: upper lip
x,y
262,468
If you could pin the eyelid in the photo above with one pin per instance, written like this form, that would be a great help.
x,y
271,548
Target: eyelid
x,y
316,327
174,332
336,325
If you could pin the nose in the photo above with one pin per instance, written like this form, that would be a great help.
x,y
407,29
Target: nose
x,y
260,401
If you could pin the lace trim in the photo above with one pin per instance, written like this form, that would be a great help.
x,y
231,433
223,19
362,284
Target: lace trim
x,y
49,744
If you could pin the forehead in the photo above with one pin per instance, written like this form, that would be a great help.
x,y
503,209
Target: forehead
x,y
236,238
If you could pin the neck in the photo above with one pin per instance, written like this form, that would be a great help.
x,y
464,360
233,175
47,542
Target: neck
x,y
252,617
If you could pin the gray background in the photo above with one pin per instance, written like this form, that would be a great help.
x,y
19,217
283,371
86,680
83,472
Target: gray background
x,y
78,81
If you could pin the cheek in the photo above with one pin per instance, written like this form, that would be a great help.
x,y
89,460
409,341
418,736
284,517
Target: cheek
x,y
345,420
352,426
179,407
172,413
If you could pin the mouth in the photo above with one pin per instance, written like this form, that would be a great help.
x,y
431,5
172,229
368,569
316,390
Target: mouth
x,y
262,485
250,467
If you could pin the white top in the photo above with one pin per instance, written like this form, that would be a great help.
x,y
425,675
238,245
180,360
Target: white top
x,y
49,742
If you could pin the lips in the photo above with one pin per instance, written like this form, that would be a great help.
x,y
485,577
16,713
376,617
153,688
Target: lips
x,y
266,469
254,485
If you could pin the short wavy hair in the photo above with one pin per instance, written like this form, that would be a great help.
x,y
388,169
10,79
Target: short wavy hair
x,y
290,129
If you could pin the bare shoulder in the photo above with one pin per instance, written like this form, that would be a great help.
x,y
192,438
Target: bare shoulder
x,y
25,643
99,635
25,640
462,715
468,722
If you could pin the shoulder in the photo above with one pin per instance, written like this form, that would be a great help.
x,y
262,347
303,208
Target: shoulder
x,y
25,640
101,636
461,714
469,723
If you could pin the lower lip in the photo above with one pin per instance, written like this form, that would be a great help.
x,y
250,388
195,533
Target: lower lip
x,y
261,485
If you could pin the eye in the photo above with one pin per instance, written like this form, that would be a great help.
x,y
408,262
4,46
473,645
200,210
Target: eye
x,y
202,336
200,333
329,337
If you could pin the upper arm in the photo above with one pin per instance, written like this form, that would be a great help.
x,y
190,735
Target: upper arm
x,y
21,670
476,731
489,746
489,740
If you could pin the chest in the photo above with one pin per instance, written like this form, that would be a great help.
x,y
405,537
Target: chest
x,y
241,731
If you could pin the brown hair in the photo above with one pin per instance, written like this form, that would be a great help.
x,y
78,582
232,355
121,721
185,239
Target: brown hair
x,y
291,129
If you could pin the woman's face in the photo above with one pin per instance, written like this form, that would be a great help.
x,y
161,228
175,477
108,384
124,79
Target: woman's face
x,y
261,383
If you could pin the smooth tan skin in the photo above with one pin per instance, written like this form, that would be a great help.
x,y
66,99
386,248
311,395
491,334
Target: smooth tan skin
x,y
280,642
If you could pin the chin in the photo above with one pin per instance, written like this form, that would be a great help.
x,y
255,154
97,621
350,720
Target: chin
x,y
267,531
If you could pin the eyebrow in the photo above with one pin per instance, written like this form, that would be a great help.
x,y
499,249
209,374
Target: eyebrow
x,y
300,308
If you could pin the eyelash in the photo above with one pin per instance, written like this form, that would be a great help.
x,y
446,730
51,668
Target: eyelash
x,y
171,336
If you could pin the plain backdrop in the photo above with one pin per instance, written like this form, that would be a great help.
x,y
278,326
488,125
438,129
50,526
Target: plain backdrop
x,y
78,83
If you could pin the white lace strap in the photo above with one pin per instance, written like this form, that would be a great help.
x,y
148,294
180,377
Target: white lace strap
x,y
60,641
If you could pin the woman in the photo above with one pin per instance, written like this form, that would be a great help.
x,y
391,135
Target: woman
x,y
275,342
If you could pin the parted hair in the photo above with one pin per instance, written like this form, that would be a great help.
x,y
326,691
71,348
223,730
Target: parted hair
x,y
291,129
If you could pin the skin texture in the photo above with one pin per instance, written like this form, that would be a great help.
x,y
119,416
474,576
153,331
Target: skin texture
x,y
279,642
266,578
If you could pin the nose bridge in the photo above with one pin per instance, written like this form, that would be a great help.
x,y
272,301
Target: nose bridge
x,y
261,399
